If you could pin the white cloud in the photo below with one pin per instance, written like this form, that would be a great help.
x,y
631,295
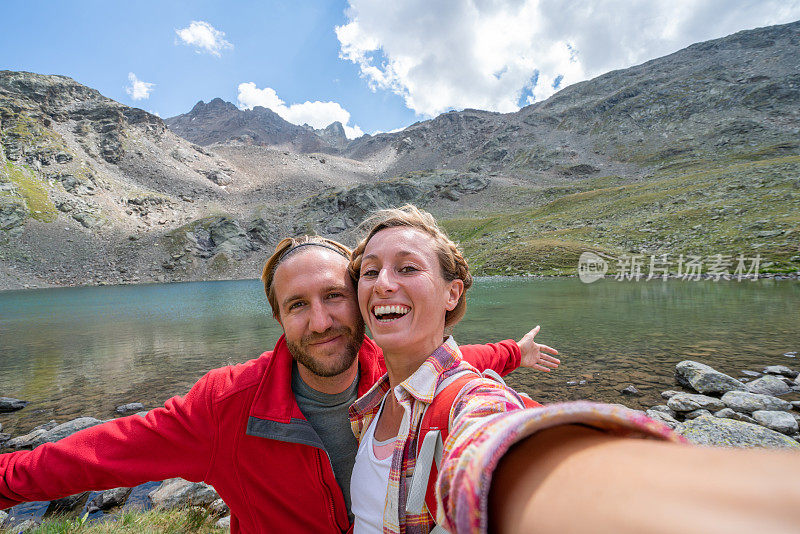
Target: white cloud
x,y
138,89
204,37
496,54
316,114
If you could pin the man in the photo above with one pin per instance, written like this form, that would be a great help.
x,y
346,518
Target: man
x,y
271,435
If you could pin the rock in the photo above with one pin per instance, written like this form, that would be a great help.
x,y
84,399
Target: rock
x,y
129,408
3,516
1,427
662,417
778,421
669,394
743,401
750,373
631,391
694,414
66,429
13,212
688,402
727,413
67,504
796,405
3,438
218,177
225,522
108,499
719,432
768,385
87,219
219,508
780,370
705,379
8,404
178,493
664,408
25,441
25,526
63,157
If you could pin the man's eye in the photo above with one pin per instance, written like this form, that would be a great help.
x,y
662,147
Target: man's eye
x,y
334,295
295,305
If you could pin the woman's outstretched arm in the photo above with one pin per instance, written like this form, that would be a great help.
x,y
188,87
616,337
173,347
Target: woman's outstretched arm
x,y
576,479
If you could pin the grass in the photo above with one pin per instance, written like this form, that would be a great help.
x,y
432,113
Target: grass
x,y
706,208
154,521
33,191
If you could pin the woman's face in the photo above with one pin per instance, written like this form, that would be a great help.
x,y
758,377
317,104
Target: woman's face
x,y
402,294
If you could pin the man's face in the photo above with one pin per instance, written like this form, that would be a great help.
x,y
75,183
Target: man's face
x,y
318,310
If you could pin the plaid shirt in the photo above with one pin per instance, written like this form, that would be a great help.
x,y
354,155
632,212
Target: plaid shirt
x,y
485,421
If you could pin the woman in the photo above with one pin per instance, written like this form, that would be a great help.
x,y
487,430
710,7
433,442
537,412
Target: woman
x,y
411,284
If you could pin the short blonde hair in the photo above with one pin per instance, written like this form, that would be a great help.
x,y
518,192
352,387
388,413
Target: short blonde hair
x,y
285,248
451,261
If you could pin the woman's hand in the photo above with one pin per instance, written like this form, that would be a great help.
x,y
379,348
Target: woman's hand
x,y
535,355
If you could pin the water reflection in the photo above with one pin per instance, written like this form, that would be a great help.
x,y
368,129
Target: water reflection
x,y
83,351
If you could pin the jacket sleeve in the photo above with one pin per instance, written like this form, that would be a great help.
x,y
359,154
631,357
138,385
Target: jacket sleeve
x,y
487,420
173,441
502,357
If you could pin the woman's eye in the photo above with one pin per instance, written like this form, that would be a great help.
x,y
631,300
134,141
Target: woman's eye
x,y
369,273
408,269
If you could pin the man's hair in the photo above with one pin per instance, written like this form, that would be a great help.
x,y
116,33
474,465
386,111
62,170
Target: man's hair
x,y
288,247
451,262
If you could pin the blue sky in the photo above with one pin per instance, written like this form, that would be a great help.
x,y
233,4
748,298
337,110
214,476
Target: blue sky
x,y
378,66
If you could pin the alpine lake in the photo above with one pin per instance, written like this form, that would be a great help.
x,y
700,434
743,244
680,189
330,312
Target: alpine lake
x,y
83,351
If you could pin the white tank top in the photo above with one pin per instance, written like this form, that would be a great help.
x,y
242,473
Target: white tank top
x,y
369,482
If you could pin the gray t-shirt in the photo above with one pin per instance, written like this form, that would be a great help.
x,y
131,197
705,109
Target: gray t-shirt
x,y
328,417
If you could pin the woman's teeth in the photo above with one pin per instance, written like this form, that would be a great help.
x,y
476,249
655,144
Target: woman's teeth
x,y
385,314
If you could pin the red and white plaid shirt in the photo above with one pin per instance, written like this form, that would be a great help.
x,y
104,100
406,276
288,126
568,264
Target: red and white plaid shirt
x,y
485,421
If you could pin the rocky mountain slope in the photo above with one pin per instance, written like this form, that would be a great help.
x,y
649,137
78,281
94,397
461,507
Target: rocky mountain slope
x,y
695,153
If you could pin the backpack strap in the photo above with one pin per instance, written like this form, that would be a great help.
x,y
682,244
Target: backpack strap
x,y
434,430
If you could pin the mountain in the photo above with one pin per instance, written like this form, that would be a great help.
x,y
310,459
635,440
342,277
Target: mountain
x,y
222,122
694,154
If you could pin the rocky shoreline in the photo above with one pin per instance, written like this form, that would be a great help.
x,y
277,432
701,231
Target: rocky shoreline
x,y
710,409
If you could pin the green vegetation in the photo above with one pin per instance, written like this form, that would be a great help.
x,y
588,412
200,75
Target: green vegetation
x,y
748,204
33,191
193,519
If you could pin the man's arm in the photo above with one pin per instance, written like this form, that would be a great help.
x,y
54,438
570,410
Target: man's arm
x,y
508,355
176,440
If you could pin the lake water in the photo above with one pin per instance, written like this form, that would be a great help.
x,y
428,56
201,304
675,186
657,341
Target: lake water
x,y
84,351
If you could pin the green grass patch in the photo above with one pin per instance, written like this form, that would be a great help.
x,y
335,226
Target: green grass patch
x,y
193,519
33,191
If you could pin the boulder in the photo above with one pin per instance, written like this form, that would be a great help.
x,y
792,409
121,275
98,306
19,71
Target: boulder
x,y
225,522
694,414
631,391
705,379
664,408
781,370
781,422
663,417
669,394
179,493
108,499
66,429
25,441
743,401
219,508
688,402
13,212
129,408
66,505
727,413
720,432
796,405
768,385
8,404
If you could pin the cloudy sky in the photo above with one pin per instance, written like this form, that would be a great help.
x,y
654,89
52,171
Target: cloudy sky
x,y
370,64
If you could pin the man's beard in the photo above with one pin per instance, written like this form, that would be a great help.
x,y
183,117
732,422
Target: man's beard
x,y
329,365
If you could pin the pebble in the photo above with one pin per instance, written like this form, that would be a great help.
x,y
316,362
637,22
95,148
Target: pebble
x,y
695,414
129,408
780,370
750,373
668,394
632,391
790,354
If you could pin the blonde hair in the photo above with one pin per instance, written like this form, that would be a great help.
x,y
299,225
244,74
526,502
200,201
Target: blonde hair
x,y
287,247
451,261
